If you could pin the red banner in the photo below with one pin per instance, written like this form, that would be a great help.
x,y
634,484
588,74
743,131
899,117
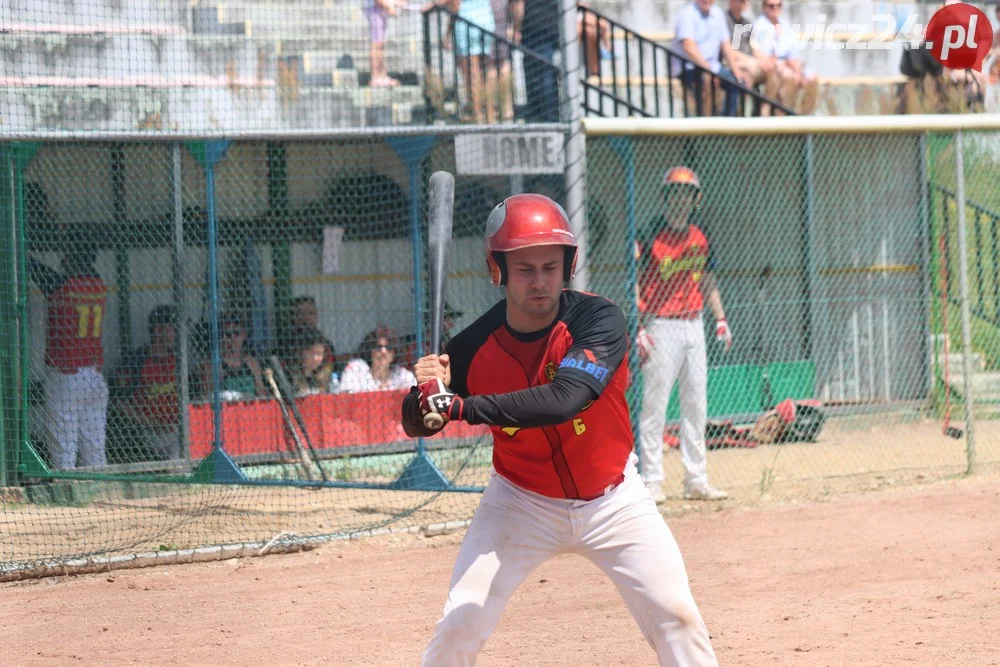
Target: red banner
x,y
332,420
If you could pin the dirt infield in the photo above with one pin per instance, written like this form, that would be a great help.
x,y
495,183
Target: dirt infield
x,y
896,576
853,454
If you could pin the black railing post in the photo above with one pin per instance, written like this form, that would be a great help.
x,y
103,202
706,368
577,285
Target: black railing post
x,y
656,84
978,245
642,76
425,22
996,269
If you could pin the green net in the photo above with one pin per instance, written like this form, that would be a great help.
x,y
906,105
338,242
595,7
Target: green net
x,y
827,252
174,291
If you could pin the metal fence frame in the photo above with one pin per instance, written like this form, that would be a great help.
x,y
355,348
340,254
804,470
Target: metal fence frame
x,y
621,130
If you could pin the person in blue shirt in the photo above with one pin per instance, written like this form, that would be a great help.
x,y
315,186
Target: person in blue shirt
x,y
702,35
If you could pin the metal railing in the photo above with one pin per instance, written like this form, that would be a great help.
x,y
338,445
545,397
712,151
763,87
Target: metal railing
x,y
983,223
451,46
458,51
642,73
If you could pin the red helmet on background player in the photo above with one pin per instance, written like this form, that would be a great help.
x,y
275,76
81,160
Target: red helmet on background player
x,y
683,176
524,221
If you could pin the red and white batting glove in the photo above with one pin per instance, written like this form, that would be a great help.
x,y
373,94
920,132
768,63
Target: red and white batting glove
x,y
644,344
437,399
722,333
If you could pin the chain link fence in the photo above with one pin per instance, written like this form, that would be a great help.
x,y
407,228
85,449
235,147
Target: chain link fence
x,y
160,296
152,289
836,255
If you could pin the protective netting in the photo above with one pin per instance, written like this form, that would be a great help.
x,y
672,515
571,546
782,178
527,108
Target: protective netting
x,y
126,429
827,255
265,65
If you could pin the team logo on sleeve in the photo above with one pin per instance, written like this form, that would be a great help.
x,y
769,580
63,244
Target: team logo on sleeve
x,y
587,362
550,371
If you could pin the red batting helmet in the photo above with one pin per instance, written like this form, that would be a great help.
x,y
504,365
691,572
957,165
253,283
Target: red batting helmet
x,y
524,221
678,176
681,176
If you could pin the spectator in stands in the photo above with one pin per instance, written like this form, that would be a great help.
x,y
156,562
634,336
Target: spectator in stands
x,y
378,13
471,37
474,49
702,35
306,314
933,88
536,26
740,26
241,376
500,59
146,386
76,393
773,44
374,369
595,36
305,363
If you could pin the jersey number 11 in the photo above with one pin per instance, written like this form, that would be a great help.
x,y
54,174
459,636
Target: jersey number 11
x,y
90,321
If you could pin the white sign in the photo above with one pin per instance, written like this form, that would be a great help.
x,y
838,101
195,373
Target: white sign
x,y
333,238
509,153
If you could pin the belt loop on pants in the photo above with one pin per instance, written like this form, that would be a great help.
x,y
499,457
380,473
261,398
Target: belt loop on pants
x,y
608,489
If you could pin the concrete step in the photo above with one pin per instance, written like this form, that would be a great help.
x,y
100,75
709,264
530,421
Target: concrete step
x,y
985,384
956,361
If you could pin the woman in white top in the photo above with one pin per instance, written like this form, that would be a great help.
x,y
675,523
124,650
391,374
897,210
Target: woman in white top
x,y
374,370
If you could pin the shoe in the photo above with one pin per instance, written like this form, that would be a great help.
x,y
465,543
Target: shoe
x,y
705,492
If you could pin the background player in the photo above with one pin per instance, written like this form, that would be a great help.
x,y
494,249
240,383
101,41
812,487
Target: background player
x,y
76,394
543,368
675,278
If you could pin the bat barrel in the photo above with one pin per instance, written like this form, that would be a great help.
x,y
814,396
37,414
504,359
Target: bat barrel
x,y
441,201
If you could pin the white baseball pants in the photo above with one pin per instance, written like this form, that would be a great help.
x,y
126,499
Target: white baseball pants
x,y
678,351
76,417
514,531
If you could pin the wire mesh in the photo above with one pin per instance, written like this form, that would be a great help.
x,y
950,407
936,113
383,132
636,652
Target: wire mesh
x,y
147,427
825,249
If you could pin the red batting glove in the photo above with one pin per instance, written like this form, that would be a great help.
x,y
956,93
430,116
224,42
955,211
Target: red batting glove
x,y
436,397
644,344
722,333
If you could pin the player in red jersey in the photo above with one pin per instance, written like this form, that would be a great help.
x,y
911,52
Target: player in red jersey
x,y
76,394
146,386
675,280
544,369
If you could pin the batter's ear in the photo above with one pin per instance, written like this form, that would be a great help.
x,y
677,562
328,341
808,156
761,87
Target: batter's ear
x,y
497,265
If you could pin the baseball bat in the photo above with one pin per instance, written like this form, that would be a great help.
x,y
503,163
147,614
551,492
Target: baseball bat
x,y
286,388
439,223
296,443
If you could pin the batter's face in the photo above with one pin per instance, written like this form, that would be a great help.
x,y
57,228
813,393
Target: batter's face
x,y
534,283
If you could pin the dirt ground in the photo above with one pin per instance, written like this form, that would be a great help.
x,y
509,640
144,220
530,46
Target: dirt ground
x,y
894,576
853,454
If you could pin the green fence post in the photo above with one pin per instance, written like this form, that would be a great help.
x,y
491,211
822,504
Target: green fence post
x,y
8,301
217,466
625,149
421,473
277,190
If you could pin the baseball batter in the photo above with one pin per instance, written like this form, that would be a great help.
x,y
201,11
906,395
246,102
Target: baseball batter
x,y
543,368
76,394
675,279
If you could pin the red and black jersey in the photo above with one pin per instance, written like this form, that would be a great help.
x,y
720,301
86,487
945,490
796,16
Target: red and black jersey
x,y
671,268
554,399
